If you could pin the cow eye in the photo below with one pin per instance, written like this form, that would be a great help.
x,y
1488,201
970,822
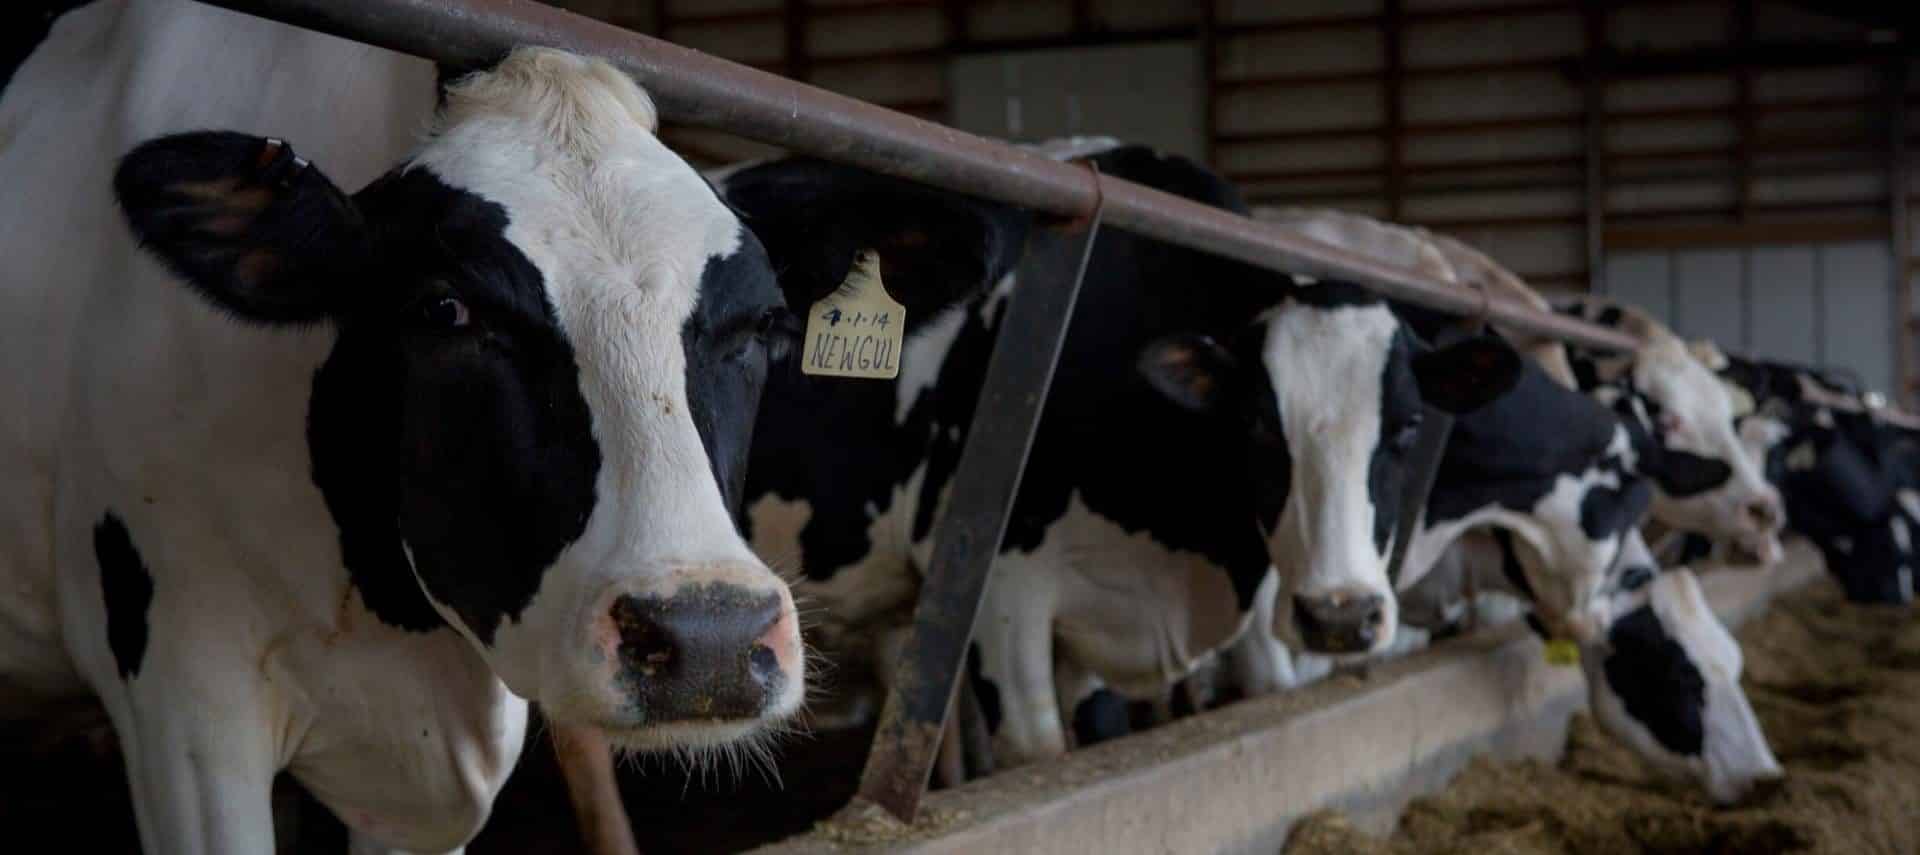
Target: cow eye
x,y
1404,436
1671,423
775,330
447,313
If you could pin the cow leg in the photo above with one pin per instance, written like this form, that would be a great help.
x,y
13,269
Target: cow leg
x,y
199,785
950,768
586,762
360,844
1016,657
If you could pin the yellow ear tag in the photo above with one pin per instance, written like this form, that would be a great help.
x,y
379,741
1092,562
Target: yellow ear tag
x,y
856,330
1562,653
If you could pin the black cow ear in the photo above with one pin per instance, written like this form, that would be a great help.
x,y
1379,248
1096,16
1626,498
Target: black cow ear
x,y
1190,370
936,248
1682,474
245,221
1468,374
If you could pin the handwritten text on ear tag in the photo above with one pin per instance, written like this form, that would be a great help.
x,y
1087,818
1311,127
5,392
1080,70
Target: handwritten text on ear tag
x,y
856,330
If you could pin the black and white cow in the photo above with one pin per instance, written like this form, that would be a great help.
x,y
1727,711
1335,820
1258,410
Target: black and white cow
x,y
1543,469
330,483
1662,674
1206,421
1851,480
1681,419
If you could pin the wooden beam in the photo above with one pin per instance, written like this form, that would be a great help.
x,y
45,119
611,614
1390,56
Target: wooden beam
x,y
1368,22
1720,60
1756,233
1209,47
959,27
1570,120
1393,48
793,19
1594,145
1743,118
1427,72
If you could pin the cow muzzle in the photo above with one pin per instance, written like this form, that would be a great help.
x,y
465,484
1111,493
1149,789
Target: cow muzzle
x,y
700,661
1341,621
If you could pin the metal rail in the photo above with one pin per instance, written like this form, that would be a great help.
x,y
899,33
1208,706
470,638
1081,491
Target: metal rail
x,y
699,89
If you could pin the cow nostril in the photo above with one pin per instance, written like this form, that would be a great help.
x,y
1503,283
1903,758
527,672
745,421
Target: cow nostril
x,y
763,662
645,645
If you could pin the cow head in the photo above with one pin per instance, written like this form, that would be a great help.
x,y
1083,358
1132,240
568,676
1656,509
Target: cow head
x,y
548,338
1666,680
1682,419
1331,390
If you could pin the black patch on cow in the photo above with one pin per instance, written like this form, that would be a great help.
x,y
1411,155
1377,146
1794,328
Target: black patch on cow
x,y
936,248
1607,511
739,328
1609,316
1509,453
127,589
834,442
24,24
1659,686
1510,567
1694,547
1679,474
853,454
472,445
1101,717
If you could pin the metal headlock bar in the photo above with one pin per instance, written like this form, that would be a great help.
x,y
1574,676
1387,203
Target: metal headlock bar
x,y
697,89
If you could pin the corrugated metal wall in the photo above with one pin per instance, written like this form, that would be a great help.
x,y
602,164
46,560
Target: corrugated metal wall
x,y
1828,305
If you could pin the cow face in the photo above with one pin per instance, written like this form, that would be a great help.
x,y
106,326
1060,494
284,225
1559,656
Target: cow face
x,y
1682,418
549,341
1666,680
1332,391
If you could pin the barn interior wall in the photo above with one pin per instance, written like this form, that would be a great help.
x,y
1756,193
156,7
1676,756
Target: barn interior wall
x,y
1764,126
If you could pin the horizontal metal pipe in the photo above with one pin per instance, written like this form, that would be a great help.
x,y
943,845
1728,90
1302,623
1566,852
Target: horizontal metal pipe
x,y
699,89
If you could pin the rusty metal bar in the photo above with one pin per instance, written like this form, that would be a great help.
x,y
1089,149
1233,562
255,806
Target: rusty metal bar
x,y
694,88
967,537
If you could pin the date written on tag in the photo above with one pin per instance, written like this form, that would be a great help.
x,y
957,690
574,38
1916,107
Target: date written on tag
x,y
856,330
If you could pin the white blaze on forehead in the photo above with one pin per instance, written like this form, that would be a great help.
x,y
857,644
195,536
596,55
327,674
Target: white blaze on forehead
x,y
621,230
1327,367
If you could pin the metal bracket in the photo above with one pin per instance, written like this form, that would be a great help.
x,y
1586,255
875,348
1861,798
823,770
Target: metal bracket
x,y
920,695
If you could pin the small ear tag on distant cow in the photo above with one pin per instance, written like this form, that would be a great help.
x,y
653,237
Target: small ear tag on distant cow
x,y
856,330
1562,653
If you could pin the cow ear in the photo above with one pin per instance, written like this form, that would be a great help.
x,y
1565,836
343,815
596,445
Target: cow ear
x,y
936,248
1468,374
1609,511
1190,370
245,221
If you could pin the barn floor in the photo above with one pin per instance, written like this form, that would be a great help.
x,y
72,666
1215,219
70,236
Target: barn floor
x,y
1837,689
